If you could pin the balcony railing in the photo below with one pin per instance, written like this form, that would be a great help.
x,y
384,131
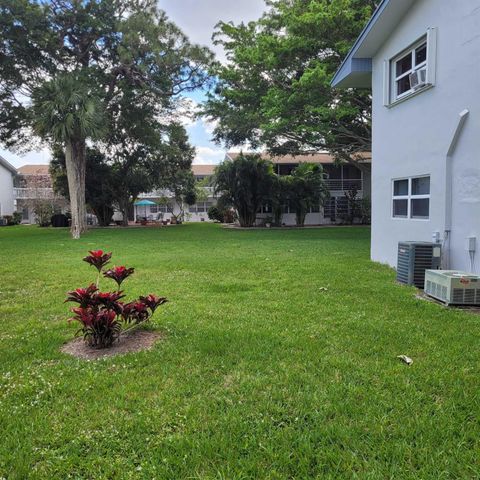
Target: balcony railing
x,y
343,185
33,193
168,194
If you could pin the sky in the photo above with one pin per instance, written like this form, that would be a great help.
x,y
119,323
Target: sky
x,y
197,19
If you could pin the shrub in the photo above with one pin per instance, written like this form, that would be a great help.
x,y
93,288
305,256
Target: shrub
x,y
229,215
365,211
16,218
43,210
103,317
215,214
355,208
222,215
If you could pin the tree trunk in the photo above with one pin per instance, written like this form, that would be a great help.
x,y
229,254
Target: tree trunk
x,y
75,161
124,207
104,214
300,217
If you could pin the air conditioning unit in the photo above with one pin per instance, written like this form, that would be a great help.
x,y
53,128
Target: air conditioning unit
x,y
414,258
418,79
453,287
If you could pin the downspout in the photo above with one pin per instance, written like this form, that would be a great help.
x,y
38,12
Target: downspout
x,y
449,187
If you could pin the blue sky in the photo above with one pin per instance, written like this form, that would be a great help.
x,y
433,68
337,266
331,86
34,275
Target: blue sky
x,y
197,18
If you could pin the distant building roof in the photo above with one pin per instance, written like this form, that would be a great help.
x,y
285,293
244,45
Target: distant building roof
x,y
203,169
34,170
323,158
7,165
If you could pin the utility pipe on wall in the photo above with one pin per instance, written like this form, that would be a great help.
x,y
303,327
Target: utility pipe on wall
x,y
449,187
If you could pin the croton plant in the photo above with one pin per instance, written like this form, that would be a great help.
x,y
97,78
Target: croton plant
x,y
103,316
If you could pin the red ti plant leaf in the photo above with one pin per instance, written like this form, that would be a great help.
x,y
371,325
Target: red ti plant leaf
x,y
106,317
153,301
110,300
135,311
86,297
98,259
84,315
119,274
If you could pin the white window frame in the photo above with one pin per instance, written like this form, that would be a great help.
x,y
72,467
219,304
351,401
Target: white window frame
x,y
409,197
390,96
203,205
163,208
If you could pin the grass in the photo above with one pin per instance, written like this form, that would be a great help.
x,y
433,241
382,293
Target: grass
x,y
279,362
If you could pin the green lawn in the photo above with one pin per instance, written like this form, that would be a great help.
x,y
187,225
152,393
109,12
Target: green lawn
x,y
279,362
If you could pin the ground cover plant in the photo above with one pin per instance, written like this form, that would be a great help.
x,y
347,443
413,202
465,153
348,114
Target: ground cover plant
x,y
278,361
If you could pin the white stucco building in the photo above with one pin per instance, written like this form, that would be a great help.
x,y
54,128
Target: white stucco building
x,y
339,180
421,58
7,174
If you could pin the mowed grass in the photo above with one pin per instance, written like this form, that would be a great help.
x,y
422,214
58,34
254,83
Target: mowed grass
x,y
279,362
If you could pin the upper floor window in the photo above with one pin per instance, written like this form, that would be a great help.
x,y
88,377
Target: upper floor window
x,y
411,71
411,198
200,207
414,61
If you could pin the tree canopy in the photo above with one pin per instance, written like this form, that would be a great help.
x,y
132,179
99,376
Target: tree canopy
x,y
275,91
107,71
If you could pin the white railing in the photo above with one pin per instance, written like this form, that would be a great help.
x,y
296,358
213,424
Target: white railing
x,y
33,193
343,185
169,194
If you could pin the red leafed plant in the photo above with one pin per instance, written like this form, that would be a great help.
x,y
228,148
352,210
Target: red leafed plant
x,y
119,274
102,315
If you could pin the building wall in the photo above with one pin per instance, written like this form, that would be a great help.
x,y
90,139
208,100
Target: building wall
x,y
6,192
413,137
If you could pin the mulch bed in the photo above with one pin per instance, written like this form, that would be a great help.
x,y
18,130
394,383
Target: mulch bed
x,y
134,341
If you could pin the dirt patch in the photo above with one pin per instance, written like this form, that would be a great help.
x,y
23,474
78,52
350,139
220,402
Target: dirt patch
x,y
134,341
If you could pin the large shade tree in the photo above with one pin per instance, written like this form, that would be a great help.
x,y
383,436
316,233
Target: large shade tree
x,y
161,162
111,55
275,92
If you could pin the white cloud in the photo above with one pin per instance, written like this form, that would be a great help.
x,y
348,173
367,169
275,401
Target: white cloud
x,y
40,157
209,125
243,148
198,18
208,155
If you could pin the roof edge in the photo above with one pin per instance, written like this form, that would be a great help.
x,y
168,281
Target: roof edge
x,y
356,68
8,165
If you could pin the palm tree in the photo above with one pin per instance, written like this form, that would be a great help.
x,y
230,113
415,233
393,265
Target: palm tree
x,y
244,183
306,188
66,112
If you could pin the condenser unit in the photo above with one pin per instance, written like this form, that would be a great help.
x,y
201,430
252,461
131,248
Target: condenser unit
x,y
453,287
414,258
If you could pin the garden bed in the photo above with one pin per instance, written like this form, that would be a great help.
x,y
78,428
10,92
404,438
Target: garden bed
x,y
133,341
